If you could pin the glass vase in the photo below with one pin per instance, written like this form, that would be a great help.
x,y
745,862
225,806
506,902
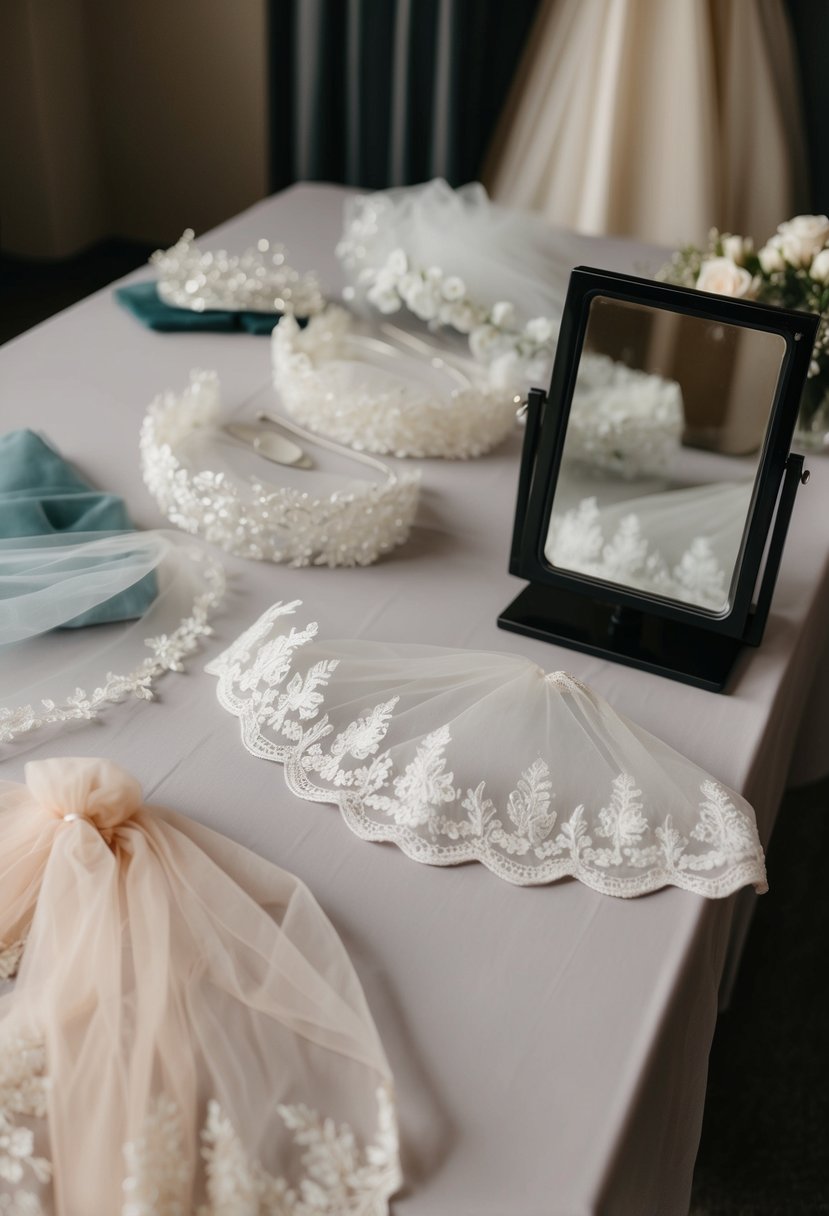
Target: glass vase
x,y
812,430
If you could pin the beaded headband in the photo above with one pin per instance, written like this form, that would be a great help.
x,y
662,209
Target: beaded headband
x,y
351,527
258,280
402,397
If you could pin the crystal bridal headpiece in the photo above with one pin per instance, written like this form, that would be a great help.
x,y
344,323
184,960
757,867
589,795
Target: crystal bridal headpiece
x,y
454,258
392,394
186,1032
460,756
353,525
258,280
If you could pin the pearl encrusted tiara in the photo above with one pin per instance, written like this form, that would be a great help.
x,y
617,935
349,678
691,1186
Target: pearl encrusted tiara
x,y
400,396
258,280
350,527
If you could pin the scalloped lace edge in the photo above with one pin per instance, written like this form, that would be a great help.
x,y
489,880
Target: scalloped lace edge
x,y
580,860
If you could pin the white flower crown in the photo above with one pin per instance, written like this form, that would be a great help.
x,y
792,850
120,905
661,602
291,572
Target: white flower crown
x,y
354,388
442,298
350,527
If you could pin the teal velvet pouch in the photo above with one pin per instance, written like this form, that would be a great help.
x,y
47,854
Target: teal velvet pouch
x,y
42,495
144,302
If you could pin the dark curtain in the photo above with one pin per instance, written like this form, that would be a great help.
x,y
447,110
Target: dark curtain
x,y
377,93
810,22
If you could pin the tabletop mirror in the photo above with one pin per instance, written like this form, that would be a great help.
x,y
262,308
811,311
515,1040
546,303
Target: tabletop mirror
x,y
657,480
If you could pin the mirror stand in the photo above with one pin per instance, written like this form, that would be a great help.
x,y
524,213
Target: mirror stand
x,y
676,649
637,639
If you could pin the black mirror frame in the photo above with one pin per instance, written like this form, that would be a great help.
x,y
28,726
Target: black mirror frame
x,y
744,620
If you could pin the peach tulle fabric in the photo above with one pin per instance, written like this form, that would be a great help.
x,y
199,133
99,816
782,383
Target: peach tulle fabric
x,y
175,982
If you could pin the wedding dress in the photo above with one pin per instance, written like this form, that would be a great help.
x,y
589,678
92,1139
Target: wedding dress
x,y
460,756
186,1035
655,120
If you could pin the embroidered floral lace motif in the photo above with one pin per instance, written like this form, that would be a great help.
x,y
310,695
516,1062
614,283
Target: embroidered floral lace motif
x,y
614,838
578,542
352,527
337,1176
23,1088
10,957
340,1177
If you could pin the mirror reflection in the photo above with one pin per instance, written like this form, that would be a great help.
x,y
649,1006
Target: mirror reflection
x,y
663,443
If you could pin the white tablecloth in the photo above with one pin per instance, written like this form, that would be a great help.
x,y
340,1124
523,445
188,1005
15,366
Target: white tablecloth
x,y
549,1044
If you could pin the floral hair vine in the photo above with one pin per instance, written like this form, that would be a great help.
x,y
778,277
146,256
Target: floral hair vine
x,y
168,652
439,298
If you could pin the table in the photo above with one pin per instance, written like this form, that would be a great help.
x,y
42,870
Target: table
x,y
549,1044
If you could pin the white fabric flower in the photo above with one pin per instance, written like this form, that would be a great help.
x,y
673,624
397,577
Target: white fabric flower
x,y
503,315
462,317
385,280
408,284
484,342
505,371
540,329
721,276
453,288
397,262
771,257
737,248
385,300
820,267
803,237
425,302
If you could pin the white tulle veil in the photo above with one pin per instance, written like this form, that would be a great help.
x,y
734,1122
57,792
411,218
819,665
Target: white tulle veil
x,y
463,756
52,676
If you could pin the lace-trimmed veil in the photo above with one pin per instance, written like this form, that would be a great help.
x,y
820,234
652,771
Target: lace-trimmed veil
x,y
186,1028
462,756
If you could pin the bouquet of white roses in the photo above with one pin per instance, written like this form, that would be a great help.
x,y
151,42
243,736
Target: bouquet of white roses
x,y
791,271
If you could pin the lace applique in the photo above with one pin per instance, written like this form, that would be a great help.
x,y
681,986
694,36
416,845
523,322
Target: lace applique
x,y
610,841
327,381
352,527
577,542
23,1088
157,1180
168,652
339,1177
10,957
